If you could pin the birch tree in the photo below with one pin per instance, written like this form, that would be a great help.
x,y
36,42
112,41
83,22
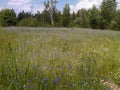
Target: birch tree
x,y
50,5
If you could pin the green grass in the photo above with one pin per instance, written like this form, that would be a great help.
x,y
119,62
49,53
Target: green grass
x,y
58,59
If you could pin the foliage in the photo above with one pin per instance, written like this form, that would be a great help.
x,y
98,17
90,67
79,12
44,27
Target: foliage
x,y
108,9
29,22
66,16
84,18
115,24
7,17
50,6
94,18
57,18
39,17
23,15
104,17
81,19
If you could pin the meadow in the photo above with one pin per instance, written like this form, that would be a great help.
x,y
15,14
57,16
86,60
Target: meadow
x,y
65,59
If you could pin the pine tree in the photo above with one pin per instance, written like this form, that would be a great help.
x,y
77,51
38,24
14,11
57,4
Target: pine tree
x,y
108,9
66,16
94,17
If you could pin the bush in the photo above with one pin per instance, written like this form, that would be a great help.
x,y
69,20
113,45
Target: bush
x,y
7,17
102,23
29,22
115,24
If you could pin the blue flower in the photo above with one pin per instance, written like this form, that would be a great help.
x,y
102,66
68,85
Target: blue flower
x,y
56,80
45,80
30,80
106,88
17,84
69,66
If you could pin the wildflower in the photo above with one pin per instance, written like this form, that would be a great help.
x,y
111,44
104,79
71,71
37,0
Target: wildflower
x,y
69,66
82,88
24,86
106,88
84,83
95,82
45,85
73,85
45,80
20,72
17,84
30,80
56,80
16,60
63,50
29,86
49,68
36,78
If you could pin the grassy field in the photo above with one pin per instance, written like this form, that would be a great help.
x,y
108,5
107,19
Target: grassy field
x,y
74,59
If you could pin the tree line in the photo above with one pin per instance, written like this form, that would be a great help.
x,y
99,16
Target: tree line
x,y
105,17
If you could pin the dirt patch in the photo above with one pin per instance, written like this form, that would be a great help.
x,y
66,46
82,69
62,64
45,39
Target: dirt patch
x,y
111,85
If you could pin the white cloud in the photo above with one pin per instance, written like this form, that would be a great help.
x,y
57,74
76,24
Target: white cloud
x,y
118,6
20,4
38,8
85,4
88,4
25,5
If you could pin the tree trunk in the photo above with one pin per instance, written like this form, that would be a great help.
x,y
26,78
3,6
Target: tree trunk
x,y
51,18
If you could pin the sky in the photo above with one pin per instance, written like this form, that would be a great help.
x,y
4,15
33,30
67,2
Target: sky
x,y
37,5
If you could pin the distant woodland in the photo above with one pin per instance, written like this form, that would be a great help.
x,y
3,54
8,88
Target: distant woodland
x,y
107,16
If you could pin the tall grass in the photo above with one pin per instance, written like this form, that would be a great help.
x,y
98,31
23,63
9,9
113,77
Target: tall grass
x,y
58,60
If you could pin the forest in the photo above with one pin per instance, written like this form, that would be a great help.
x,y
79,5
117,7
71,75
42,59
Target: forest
x,y
107,16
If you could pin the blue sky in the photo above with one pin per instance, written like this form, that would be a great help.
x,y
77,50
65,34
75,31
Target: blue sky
x,y
19,5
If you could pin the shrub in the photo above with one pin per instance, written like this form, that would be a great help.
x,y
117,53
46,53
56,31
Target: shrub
x,y
29,22
115,24
7,17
